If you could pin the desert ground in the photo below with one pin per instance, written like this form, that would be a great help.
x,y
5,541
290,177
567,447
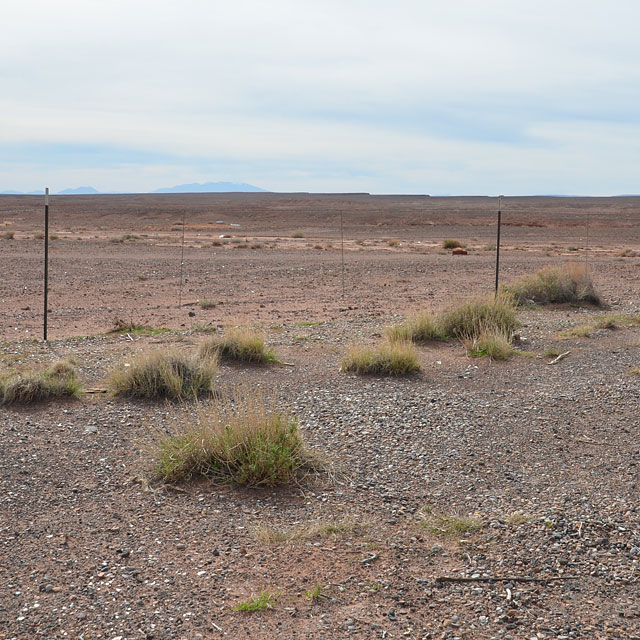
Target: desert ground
x,y
542,458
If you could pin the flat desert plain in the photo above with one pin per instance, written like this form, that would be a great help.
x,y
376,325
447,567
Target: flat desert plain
x,y
474,499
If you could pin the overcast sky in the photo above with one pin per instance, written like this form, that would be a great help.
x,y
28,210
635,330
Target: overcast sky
x,y
428,96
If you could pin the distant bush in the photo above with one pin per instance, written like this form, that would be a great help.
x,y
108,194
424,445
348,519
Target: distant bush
x,y
206,304
243,440
297,234
551,285
9,234
239,344
450,243
164,374
389,359
57,381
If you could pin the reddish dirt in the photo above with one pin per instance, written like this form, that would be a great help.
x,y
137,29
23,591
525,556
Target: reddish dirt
x,y
119,256
543,457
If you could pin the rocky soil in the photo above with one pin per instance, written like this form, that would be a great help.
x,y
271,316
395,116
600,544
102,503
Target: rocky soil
x,y
536,464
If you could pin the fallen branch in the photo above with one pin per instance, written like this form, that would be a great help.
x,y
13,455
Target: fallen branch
x,y
562,356
441,579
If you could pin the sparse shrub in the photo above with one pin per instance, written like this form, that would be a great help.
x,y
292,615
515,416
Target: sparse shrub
x,y
552,353
206,304
635,372
57,381
446,525
297,234
256,245
550,285
266,600
627,253
38,235
240,344
450,243
243,440
9,234
53,236
164,374
393,242
389,359
490,343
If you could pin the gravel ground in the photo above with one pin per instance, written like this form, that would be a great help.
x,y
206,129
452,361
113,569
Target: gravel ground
x,y
544,458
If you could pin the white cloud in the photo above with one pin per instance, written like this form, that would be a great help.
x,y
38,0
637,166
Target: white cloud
x,y
400,92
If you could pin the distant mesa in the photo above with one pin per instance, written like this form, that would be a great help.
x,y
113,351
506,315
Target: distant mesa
x,y
78,191
213,187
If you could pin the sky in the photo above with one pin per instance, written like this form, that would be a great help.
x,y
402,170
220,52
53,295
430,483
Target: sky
x,y
454,97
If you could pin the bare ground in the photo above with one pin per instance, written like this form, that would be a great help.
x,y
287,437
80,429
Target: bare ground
x,y
543,457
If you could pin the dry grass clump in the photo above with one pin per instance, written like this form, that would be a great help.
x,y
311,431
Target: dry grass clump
x,y
447,526
551,285
206,304
297,234
243,440
466,321
477,316
397,358
59,380
450,243
490,343
239,344
419,328
8,235
164,374
347,526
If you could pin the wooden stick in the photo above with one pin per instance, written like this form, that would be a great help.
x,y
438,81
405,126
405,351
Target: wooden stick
x,y
562,356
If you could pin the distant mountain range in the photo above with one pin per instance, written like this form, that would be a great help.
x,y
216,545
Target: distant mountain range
x,y
194,187
212,187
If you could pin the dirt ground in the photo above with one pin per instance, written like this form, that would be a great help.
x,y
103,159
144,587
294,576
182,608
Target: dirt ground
x,y
543,457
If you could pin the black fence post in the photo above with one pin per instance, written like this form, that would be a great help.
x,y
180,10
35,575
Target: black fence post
x,y
46,261
498,241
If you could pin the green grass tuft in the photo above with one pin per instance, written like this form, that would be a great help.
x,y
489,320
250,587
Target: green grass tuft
x,y
266,600
164,374
553,286
239,344
59,380
242,441
389,359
